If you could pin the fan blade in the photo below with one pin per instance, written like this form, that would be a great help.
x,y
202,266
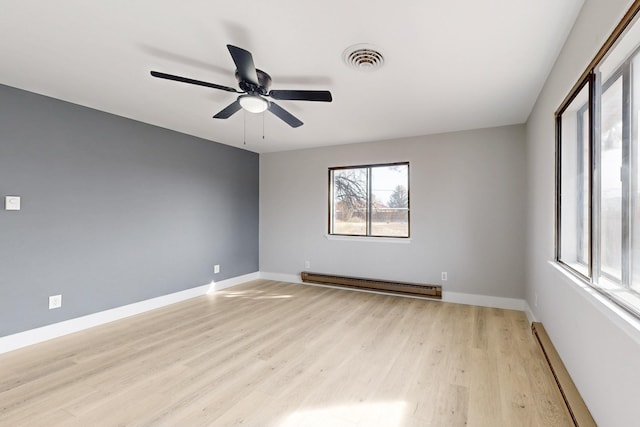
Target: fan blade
x,y
228,111
244,64
302,95
286,116
192,81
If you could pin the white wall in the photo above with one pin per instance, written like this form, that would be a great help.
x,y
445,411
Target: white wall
x,y
467,212
600,349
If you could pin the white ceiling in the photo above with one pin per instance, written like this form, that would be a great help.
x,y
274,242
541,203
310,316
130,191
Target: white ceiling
x,y
449,65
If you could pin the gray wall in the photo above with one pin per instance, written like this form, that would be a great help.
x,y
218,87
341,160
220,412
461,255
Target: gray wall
x,y
600,348
467,212
113,211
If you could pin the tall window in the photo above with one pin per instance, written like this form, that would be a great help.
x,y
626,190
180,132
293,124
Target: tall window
x,y
370,200
598,172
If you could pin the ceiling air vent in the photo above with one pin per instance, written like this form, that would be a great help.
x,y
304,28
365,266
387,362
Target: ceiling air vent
x,y
363,57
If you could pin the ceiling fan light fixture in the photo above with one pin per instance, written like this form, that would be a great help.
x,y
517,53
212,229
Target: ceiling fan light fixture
x,y
253,103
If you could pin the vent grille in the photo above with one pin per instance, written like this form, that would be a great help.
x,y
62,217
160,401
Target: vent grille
x,y
403,288
363,57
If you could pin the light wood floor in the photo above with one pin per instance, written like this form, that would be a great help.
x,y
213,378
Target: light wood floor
x,y
275,354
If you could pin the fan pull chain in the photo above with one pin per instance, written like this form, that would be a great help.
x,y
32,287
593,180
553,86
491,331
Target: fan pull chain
x,y
263,125
244,129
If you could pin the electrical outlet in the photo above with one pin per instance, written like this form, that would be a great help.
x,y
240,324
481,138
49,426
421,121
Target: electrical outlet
x,y
444,276
307,264
55,301
12,203
216,269
535,299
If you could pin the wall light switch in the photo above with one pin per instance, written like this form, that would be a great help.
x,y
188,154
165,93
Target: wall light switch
x,y
12,203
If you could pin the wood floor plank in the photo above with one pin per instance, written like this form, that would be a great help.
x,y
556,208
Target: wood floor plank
x,y
273,354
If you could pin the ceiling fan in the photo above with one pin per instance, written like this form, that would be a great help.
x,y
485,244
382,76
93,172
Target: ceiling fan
x,y
254,85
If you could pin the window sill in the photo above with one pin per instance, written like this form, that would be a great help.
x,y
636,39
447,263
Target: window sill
x,y
618,315
369,239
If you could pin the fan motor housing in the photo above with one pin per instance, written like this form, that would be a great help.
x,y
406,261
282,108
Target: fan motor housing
x,y
264,81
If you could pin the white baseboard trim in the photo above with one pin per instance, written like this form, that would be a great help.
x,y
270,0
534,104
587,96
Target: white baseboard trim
x,y
224,284
530,316
454,297
45,333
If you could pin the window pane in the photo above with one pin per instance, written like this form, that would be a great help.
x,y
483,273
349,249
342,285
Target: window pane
x,y
574,179
350,201
390,201
611,182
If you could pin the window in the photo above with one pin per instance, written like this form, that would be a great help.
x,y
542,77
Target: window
x,y
370,200
598,171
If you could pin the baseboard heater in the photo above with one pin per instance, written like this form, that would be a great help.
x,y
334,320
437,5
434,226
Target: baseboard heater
x,y
578,410
403,288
